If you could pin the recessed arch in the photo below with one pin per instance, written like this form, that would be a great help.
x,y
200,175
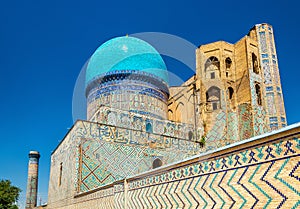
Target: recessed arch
x,y
228,62
170,114
60,173
180,104
191,96
149,127
179,111
230,92
213,95
255,64
191,135
258,94
212,61
212,68
156,163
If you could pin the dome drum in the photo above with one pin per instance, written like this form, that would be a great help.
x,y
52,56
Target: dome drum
x,y
128,95
138,76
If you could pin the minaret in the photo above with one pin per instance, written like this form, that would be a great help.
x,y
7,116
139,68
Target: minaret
x,y
32,180
269,63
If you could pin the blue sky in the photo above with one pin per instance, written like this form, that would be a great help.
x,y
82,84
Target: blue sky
x,y
44,44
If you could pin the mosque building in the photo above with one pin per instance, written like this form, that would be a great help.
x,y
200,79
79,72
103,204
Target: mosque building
x,y
213,141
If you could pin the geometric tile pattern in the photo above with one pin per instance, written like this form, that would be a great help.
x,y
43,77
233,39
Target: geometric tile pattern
x,y
245,121
125,119
102,199
262,186
108,153
253,175
75,172
259,177
128,90
260,127
102,163
267,72
258,111
263,42
119,195
280,104
217,133
271,42
110,133
233,127
270,103
270,72
276,73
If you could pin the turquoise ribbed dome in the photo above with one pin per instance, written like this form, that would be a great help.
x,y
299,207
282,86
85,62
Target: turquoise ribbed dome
x,y
126,53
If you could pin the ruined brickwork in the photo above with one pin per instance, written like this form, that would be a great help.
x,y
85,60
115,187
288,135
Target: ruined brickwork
x,y
234,92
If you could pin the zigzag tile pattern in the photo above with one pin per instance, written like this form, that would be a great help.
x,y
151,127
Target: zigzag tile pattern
x,y
265,176
106,201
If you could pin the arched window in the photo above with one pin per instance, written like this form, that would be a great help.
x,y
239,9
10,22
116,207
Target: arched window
x,y
212,68
258,94
170,114
60,173
228,62
230,92
156,163
179,112
212,61
255,64
149,127
112,118
191,135
213,98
